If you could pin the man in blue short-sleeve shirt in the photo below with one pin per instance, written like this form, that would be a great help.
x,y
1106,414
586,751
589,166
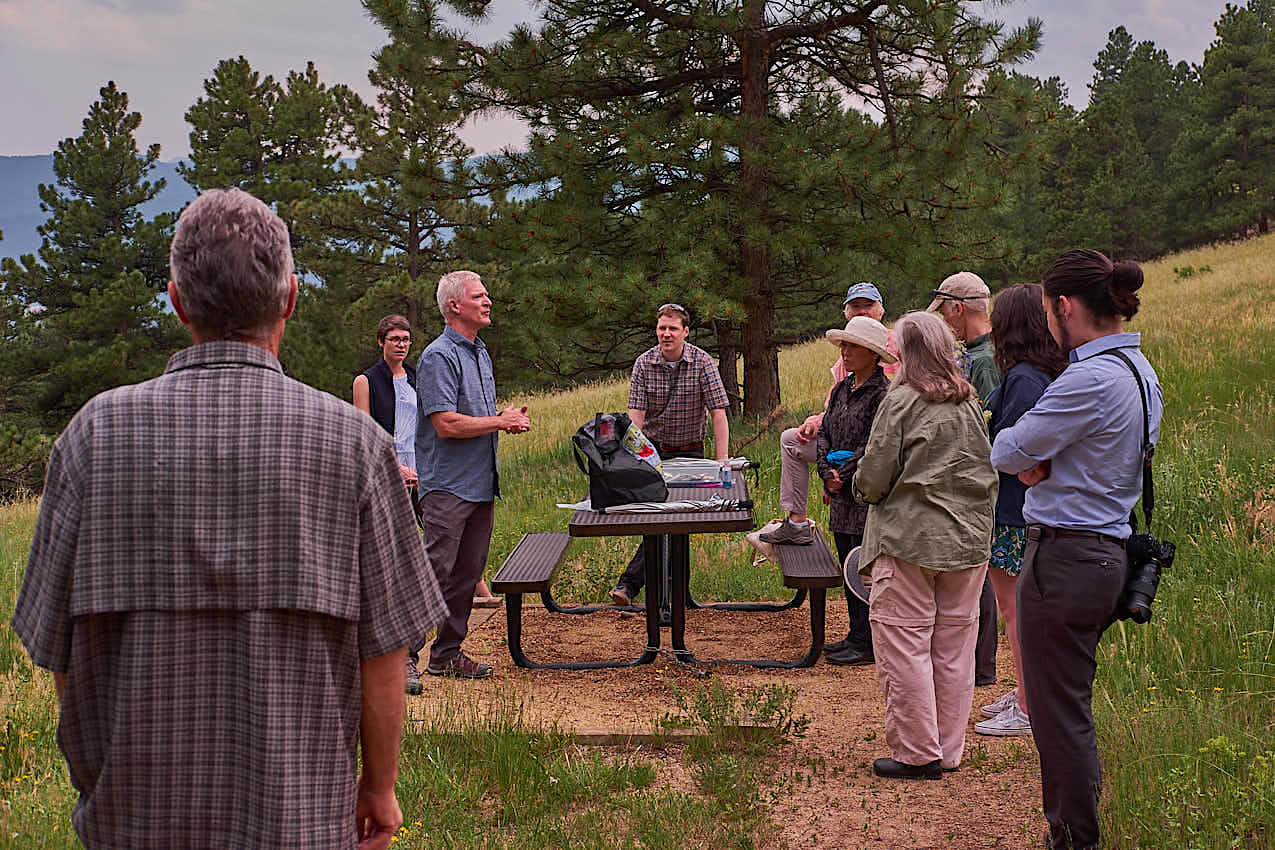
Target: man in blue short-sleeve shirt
x,y
456,430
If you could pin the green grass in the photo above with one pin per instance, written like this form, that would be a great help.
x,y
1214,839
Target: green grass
x,y
1185,705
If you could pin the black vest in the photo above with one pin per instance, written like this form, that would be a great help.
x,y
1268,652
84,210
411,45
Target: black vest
x,y
380,385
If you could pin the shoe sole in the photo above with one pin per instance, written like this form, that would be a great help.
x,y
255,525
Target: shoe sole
x,y
456,674
1002,733
867,662
908,775
616,599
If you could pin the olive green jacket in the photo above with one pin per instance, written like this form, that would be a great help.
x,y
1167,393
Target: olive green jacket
x,y
927,474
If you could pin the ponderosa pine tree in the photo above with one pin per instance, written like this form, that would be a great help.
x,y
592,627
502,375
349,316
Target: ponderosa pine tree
x,y
86,315
381,245
722,154
1225,159
278,141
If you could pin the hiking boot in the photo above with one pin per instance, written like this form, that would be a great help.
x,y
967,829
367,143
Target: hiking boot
x,y
621,596
840,645
1008,724
851,656
413,678
790,534
461,666
891,769
994,709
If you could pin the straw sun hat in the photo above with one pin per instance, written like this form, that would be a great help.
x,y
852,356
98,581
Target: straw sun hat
x,y
862,330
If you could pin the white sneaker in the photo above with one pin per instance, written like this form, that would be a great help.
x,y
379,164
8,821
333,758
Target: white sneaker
x,y
1009,723
1001,704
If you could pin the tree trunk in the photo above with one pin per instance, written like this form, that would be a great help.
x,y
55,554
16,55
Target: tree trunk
x,y
728,361
761,354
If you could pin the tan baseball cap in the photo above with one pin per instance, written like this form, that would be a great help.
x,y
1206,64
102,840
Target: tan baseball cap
x,y
962,286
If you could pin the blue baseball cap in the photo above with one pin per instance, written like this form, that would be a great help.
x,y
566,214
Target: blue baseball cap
x,y
863,290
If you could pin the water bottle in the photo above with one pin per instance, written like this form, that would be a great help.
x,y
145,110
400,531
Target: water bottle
x,y
726,474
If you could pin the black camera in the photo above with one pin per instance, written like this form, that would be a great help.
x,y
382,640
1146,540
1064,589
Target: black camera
x,y
1148,558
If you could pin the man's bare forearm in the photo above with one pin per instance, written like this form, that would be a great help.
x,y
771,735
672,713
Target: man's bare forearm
x,y
381,723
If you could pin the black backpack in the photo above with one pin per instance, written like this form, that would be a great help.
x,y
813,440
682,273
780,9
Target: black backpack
x,y
616,477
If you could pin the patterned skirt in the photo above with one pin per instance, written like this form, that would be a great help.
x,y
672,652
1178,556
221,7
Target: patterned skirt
x,y
1008,544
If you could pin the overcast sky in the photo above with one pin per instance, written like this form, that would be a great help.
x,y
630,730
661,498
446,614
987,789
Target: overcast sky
x,y
56,54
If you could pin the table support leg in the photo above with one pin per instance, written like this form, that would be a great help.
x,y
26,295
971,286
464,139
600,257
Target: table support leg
x,y
680,576
513,617
653,550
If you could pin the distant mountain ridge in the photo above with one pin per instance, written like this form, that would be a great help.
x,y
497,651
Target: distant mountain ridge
x,y
20,215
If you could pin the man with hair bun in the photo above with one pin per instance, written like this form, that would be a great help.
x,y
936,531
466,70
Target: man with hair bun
x,y
224,579
1079,450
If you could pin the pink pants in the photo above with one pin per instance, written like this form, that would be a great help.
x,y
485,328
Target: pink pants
x,y
795,458
924,624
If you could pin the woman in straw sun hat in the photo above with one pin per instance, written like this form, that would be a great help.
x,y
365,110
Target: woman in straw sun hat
x,y
844,430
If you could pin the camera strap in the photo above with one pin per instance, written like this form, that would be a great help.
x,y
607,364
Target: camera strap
x,y
1148,450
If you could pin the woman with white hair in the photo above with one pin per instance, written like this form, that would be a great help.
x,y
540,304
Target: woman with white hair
x,y
927,476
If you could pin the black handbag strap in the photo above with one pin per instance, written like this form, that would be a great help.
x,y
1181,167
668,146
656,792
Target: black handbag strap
x,y
672,388
1148,450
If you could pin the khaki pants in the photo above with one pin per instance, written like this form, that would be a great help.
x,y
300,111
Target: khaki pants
x,y
795,458
924,623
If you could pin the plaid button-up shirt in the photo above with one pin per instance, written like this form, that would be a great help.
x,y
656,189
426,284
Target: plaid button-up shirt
x,y
216,552
694,384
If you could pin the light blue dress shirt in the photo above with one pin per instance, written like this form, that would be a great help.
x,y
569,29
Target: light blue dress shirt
x,y
1088,424
454,374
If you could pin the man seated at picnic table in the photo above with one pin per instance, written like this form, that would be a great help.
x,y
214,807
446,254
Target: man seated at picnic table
x,y
672,385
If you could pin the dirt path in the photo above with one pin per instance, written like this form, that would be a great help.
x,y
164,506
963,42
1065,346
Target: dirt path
x,y
827,794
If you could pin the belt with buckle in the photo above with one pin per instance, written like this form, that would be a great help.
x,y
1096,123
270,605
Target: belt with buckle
x,y
1044,532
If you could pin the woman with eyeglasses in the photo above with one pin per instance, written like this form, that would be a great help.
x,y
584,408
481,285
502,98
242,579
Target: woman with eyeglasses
x,y
386,391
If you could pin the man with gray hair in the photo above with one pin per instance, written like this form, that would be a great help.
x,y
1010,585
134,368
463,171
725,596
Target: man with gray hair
x,y
457,424
225,577
962,300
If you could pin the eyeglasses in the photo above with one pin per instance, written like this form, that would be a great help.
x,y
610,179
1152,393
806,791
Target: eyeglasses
x,y
399,340
676,307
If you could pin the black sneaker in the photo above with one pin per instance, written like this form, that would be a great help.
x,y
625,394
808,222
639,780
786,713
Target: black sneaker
x,y
789,534
891,769
460,666
413,679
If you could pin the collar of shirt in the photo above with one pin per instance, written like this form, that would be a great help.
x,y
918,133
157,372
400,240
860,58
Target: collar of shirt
x,y
460,339
978,342
222,353
654,355
1103,343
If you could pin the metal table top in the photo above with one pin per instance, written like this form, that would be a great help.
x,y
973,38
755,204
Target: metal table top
x,y
594,524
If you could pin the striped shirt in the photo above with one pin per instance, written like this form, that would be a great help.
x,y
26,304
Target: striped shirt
x,y
217,550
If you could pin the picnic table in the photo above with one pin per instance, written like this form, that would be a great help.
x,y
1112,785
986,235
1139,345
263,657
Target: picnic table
x,y
531,566
679,527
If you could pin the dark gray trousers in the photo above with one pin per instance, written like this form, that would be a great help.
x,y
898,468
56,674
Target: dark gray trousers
x,y
634,575
985,647
1067,596
457,535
